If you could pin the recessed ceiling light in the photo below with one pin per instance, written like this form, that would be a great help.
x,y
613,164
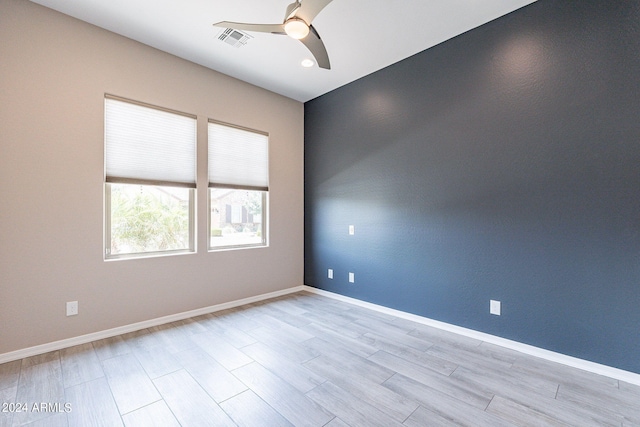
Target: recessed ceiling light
x,y
307,63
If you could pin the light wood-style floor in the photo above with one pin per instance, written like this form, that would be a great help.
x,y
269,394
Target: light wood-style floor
x,y
305,360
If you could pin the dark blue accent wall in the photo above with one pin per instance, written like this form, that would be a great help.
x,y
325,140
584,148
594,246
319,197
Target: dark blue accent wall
x,y
502,164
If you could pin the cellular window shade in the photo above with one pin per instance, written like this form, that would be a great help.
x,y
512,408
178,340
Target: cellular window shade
x,y
147,145
238,158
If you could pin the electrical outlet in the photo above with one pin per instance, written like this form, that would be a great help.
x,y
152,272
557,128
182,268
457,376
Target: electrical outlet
x,y
352,278
352,230
330,273
72,308
494,307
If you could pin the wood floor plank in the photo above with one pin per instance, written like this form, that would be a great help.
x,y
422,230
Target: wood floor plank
x,y
142,338
131,386
294,333
255,310
41,358
631,389
435,336
353,345
342,328
53,420
349,408
496,352
458,412
230,334
298,353
189,326
541,402
329,315
399,338
289,306
154,415
611,401
394,405
284,398
297,375
423,417
110,347
206,321
337,422
80,364
386,327
320,304
248,410
521,415
436,363
219,383
235,318
365,313
327,318
223,352
563,374
505,382
172,338
8,395
190,404
294,320
9,374
39,383
425,366
157,361
92,405
466,357
358,365
457,389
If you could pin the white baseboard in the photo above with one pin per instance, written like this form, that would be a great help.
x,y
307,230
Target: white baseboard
x,y
83,339
552,356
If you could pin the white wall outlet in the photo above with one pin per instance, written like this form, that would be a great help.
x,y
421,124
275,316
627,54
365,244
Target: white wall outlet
x,y
494,307
352,278
352,230
330,273
72,308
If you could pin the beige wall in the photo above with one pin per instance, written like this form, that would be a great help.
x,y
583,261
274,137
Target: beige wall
x,y
54,72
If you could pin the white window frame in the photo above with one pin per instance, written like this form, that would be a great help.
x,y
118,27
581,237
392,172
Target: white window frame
x,y
108,181
264,229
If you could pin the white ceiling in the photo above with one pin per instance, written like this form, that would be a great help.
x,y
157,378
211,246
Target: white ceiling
x,y
361,36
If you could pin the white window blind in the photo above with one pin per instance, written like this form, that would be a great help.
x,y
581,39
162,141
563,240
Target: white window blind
x,y
238,158
146,145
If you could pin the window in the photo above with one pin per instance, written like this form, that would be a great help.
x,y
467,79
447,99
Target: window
x,y
238,186
150,179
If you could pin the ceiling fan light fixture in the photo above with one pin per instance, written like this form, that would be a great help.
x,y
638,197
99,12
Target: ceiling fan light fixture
x,y
307,63
296,28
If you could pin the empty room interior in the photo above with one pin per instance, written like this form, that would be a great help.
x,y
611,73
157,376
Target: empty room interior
x,y
418,213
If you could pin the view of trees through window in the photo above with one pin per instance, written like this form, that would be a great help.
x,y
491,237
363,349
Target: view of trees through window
x,y
236,217
147,218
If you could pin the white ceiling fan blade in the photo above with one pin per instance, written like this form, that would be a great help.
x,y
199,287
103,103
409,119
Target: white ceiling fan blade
x,y
309,9
260,28
314,43
291,10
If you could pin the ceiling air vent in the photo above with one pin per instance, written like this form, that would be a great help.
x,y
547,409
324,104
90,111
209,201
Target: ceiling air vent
x,y
234,37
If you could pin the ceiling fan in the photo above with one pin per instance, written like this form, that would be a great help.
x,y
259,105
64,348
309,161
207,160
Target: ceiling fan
x,y
296,24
